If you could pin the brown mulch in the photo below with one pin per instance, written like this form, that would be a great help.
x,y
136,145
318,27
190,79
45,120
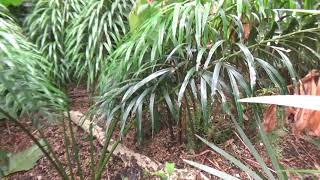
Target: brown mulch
x,y
294,153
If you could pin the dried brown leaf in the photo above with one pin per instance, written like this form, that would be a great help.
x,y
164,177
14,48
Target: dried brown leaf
x,y
246,31
306,119
302,119
318,89
270,118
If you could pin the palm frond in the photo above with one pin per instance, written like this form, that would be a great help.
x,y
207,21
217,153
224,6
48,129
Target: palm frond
x,y
46,26
228,49
24,86
94,34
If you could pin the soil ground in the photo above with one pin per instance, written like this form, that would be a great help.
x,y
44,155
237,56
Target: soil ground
x,y
294,153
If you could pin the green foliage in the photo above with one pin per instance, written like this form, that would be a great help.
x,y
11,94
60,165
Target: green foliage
x,y
201,53
22,161
24,86
46,26
182,56
168,171
169,168
96,31
11,2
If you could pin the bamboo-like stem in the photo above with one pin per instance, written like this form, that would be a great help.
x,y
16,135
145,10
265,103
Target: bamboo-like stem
x,y
106,156
50,149
100,165
91,102
75,147
66,144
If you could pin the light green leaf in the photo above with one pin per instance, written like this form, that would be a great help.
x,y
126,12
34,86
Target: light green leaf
x,y
212,171
307,11
184,85
298,101
11,2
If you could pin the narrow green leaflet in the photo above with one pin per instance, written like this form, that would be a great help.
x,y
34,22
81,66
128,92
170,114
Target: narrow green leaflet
x,y
287,63
204,100
199,58
250,61
184,85
253,151
171,106
143,82
175,20
212,51
212,171
307,11
151,108
215,78
239,7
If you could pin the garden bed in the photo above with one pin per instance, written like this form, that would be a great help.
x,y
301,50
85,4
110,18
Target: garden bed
x,y
294,153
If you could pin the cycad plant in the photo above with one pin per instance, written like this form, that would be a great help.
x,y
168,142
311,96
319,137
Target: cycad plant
x,y
185,56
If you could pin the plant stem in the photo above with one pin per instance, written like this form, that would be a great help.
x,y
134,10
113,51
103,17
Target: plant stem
x,y
61,172
104,159
51,150
91,152
190,120
92,163
75,146
101,165
66,143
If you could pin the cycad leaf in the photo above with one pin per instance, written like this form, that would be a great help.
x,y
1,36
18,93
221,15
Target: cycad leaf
x,y
143,82
215,78
151,107
171,106
211,52
204,100
250,62
184,85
